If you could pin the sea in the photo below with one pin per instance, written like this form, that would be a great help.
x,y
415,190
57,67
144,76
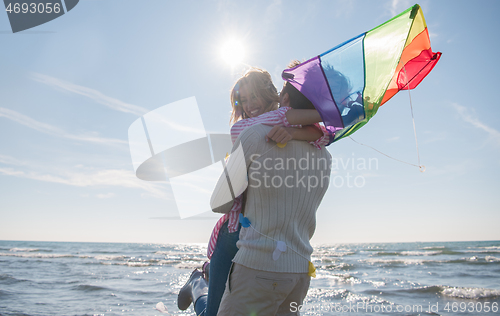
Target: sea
x,y
421,278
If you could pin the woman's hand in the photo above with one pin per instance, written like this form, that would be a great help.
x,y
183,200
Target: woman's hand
x,y
281,134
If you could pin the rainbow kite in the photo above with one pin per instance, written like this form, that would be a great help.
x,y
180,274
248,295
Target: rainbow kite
x,y
348,83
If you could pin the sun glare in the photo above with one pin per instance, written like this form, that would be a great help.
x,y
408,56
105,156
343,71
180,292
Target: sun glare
x,y
233,52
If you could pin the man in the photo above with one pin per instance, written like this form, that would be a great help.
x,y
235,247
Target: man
x,y
285,188
289,190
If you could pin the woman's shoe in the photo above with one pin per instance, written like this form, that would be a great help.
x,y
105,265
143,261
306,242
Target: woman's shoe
x,y
194,288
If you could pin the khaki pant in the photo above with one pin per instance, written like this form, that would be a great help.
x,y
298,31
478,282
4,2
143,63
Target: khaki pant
x,y
262,293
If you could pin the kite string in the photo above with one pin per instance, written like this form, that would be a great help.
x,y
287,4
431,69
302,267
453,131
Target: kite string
x,y
408,163
421,167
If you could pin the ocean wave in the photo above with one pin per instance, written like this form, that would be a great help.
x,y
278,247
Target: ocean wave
x,y
339,254
154,262
4,293
317,297
129,264
376,284
8,279
485,251
480,260
190,265
35,255
322,261
325,253
346,278
110,257
383,253
90,288
409,253
474,260
24,249
176,255
397,261
138,264
181,249
135,263
488,247
167,262
456,292
104,252
314,294
492,259
101,259
334,266
469,292
428,252
433,289
451,252
17,249
166,253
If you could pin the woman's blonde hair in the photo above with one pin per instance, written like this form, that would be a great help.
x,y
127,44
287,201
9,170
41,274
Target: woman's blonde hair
x,y
260,84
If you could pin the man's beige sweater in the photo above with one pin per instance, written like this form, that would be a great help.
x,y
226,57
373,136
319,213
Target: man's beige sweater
x,y
285,188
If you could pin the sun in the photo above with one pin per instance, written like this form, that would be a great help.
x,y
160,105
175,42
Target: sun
x,y
233,52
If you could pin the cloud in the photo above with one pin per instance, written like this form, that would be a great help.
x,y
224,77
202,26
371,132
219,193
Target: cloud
x,y
394,5
92,178
435,136
163,122
273,11
106,196
454,169
465,115
393,139
81,176
53,130
433,35
95,95
397,6
110,102
8,160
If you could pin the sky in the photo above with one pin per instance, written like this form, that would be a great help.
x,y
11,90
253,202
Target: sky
x,y
71,88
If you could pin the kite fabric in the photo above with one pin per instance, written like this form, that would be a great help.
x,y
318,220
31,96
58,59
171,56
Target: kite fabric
x,y
348,83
